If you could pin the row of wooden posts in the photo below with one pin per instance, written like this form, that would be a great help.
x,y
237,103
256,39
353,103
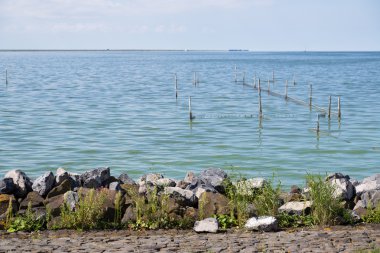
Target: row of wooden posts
x,y
257,85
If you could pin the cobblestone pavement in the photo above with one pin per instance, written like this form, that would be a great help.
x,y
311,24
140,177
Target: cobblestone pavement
x,y
334,239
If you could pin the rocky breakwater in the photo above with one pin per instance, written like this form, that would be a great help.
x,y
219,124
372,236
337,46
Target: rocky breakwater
x,y
208,202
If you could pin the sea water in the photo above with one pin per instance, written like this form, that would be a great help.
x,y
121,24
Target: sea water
x,y
86,109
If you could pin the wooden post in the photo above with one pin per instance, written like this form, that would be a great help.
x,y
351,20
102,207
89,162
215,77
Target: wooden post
x,y
6,77
310,94
318,125
176,85
339,108
286,89
259,88
329,113
260,106
294,79
190,113
268,86
254,82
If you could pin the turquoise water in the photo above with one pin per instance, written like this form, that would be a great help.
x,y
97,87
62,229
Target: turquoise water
x,y
80,110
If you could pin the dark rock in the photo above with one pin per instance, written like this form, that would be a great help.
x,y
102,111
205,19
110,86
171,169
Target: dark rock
x,y
109,205
7,186
54,204
125,179
65,186
209,225
5,199
213,203
95,178
44,183
22,183
109,181
129,215
295,189
34,198
215,177
39,213
183,197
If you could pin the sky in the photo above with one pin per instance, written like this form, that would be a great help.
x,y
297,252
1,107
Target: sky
x,y
257,25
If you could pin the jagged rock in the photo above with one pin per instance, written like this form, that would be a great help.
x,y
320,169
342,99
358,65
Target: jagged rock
x,y
34,198
296,207
262,223
4,203
39,213
165,182
7,186
209,225
65,186
200,190
71,199
191,213
213,203
95,178
129,215
114,186
295,189
109,181
371,199
54,204
183,197
182,184
61,175
189,177
109,205
248,187
198,186
22,183
343,186
44,183
215,177
130,189
150,178
368,184
125,179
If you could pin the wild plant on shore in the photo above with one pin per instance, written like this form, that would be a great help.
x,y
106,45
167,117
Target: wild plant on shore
x,y
325,206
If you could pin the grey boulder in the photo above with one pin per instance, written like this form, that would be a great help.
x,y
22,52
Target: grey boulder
x,y
262,223
368,184
95,178
44,183
22,183
215,177
296,207
343,187
209,225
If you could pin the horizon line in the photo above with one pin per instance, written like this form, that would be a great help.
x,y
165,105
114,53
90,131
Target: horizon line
x,y
182,50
